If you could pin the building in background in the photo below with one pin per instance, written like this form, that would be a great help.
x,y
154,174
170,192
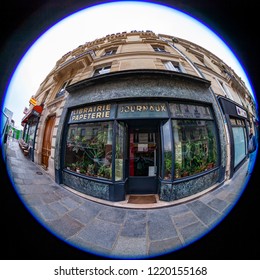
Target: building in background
x,y
140,113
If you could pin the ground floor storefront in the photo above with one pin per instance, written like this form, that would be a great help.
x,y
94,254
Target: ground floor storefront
x,y
146,147
141,135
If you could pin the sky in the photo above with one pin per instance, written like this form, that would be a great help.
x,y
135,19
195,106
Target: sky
x,y
74,30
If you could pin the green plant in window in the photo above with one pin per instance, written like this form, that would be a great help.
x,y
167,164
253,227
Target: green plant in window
x,y
177,169
73,166
90,170
168,165
104,171
84,141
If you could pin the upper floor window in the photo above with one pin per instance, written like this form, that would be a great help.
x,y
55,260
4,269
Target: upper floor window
x,y
102,70
225,89
46,94
173,66
110,52
62,90
159,49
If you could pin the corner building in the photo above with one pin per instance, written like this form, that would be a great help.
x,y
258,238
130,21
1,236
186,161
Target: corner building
x,y
140,113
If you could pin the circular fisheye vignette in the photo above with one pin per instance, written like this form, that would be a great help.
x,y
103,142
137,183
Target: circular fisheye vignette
x,y
57,234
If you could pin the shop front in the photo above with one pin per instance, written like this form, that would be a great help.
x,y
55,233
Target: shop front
x,y
169,148
142,132
30,122
238,126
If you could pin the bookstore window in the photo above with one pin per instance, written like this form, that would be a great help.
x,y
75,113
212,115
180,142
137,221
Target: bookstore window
x,y
89,149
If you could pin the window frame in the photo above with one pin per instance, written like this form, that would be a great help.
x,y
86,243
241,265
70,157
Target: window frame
x,y
236,122
110,51
210,119
62,89
101,70
160,49
84,126
174,66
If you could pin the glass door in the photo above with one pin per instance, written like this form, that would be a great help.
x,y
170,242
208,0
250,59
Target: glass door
x,y
143,160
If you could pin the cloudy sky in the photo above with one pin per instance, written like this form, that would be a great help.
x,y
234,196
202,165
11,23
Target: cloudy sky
x,y
83,26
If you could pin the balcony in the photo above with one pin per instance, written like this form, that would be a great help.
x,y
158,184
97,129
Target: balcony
x,y
74,64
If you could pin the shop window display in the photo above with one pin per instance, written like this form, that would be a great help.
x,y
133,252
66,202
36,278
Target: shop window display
x,y
240,142
195,146
119,156
195,139
89,149
167,151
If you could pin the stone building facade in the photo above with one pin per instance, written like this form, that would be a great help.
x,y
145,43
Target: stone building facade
x,y
140,113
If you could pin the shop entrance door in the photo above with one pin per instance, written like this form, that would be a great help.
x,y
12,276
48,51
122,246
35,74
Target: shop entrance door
x,y
143,158
46,146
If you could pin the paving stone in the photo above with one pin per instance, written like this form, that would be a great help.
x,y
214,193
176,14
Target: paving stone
x,y
218,204
46,212
33,199
232,198
49,197
69,203
76,198
93,205
60,191
206,214
20,175
66,226
207,198
130,247
37,181
185,219
136,215
18,181
12,154
83,215
221,194
134,228
58,207
160,225
177,209
31,189
192,232
164,246
100,233
91,248
114,215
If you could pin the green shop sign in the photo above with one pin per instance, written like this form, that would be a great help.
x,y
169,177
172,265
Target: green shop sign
x,y
93,112
142,110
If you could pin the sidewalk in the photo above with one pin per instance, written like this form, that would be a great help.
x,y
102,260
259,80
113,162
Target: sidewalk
x,y
118,232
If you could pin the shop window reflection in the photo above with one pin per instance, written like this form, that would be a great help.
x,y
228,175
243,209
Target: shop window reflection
x,y
240,142
119,156
89,149
167,151
195,146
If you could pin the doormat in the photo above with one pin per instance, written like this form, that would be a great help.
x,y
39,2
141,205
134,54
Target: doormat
x,y
142,199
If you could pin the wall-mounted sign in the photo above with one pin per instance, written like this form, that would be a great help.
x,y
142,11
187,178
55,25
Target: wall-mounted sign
x,y
190,111
142,110
33,101
241,112
93,112
25,110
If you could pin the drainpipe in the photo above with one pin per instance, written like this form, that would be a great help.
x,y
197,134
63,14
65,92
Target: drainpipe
x,y
200,74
